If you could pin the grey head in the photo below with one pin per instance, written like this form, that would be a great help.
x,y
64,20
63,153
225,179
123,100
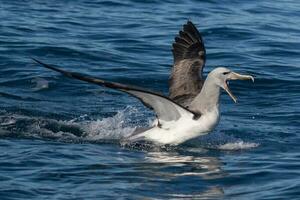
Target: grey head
x,y
222,75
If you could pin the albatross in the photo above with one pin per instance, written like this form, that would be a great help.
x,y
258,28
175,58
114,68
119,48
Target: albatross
x,y
192,107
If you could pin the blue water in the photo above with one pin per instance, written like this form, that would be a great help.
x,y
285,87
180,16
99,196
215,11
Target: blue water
x,y
59,137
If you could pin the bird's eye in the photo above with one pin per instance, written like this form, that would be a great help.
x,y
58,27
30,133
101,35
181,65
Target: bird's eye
x,y
225,73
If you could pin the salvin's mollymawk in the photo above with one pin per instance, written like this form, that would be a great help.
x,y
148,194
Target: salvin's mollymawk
x,y
192,108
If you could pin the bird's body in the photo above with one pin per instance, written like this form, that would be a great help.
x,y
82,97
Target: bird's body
x,y
187,127
192,107
177,132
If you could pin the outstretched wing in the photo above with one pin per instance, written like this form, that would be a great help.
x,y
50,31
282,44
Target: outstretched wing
x,y
186,79
165,108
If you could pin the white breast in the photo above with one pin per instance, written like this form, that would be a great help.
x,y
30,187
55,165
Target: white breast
x,y
182,130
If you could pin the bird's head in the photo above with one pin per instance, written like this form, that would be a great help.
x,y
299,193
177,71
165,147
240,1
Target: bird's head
x,y
222,76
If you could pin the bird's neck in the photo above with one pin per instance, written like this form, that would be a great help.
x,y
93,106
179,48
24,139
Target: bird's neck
x,y
208,99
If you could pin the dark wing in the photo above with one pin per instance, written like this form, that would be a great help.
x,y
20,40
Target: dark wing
x,y
186,79
165,108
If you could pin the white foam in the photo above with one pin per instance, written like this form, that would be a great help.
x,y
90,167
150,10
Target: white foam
x,y
40,84
82,128
238,145
112,128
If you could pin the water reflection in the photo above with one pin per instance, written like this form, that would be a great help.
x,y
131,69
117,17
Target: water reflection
x,y
211,193
203,166
190,171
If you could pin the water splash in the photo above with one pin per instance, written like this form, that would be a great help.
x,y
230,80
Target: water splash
x,y
114,128
80,129
239,145
40,84
221,141
111,128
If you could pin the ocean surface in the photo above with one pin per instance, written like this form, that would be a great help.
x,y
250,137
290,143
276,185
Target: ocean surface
x,y
59,138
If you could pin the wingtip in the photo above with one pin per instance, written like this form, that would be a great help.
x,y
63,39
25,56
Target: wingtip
x,y
37,61
50,67
189,22
32,58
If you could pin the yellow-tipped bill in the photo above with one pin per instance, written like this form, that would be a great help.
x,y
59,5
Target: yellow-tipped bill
x,y
235,76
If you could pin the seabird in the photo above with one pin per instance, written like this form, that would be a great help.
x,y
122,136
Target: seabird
x,y
192,107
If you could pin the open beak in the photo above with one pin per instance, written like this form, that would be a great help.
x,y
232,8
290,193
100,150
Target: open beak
x,y
235,76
